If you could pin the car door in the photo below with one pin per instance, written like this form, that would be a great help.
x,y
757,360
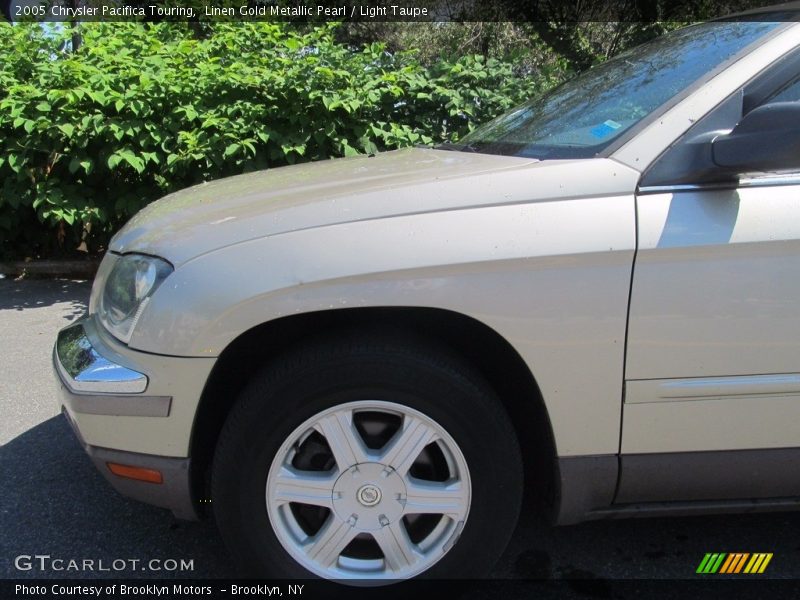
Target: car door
x,y
712,385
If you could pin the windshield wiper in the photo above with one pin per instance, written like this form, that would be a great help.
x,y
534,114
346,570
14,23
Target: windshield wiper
x,y
457,147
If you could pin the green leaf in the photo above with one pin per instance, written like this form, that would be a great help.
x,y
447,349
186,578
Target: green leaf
x,y
289,148
98,96
67,129
349,150
129,157
14,201
189,112
114,160
43,107
29,126
231,150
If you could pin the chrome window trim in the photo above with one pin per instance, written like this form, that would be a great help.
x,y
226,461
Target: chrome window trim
x,y
750,182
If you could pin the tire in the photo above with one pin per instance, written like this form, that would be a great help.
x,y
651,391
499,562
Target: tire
x,y
344,426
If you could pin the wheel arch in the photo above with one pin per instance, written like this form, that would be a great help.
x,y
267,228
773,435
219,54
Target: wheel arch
x,y
485,349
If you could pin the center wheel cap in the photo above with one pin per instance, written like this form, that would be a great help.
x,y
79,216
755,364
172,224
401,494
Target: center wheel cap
x,y
369,496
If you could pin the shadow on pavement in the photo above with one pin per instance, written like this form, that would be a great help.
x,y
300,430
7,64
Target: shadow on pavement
x,y
39,293
55,503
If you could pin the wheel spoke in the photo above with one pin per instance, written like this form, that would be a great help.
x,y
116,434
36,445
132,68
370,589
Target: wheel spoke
x,y
343,439
407,443
399,551
433,497
326,546
304,487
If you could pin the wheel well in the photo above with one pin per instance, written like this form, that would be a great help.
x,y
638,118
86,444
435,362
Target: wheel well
x,y
483,347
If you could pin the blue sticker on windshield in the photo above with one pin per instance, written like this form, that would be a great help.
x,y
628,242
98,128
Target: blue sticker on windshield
x,y
605,129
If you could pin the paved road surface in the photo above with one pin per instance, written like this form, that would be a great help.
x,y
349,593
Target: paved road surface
x,y
53,502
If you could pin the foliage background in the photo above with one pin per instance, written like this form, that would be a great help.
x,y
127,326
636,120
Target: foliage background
x,y
96,124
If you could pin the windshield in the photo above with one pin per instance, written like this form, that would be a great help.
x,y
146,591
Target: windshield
x,y
585,115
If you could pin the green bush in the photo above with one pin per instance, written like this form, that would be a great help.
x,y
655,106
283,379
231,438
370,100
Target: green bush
x,y
88,138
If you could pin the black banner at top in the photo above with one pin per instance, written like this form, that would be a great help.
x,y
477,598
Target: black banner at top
x,y
561,11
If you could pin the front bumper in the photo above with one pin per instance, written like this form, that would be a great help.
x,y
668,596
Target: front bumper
x,y
131,408
175,490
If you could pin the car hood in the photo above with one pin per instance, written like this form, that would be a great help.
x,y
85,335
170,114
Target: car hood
x,y
209,216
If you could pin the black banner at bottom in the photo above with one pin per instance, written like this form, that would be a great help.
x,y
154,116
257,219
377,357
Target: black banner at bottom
x,y
139,589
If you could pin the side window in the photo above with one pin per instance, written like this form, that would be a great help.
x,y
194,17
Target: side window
x,y
791,93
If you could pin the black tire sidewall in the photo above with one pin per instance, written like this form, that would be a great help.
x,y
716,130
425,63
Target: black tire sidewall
x,y
279,399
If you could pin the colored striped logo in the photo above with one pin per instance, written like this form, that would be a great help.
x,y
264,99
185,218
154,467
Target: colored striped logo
x,y
734,563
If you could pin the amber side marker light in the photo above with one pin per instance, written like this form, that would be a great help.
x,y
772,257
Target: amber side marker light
x,y
137,473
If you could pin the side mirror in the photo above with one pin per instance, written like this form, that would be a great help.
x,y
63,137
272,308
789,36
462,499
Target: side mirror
x,y
767,139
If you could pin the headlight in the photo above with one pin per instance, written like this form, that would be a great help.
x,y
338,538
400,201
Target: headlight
x,y
128,288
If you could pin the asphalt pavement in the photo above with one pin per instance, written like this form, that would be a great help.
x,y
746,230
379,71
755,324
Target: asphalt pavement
x,y
54,503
